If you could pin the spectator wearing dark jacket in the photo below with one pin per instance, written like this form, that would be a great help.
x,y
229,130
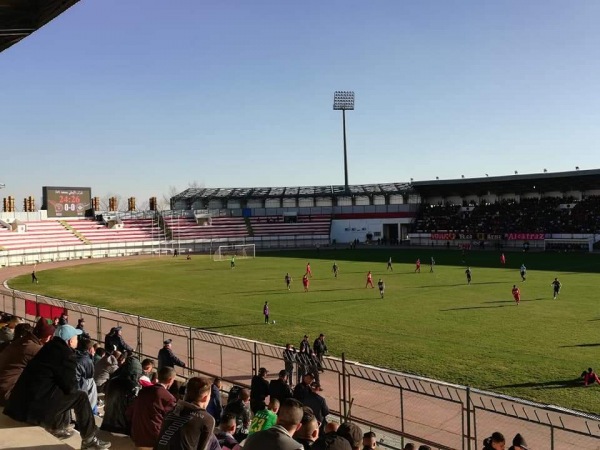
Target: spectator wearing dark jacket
x,y
519,443
279,388
16,357
241,410
166,357
215,407
301,390
84,355
114,341
259,390
147,412
289,358
119,393
81,326
320,348
47,390
317,403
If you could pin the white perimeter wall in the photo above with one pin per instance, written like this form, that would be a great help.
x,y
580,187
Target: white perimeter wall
x,y
346,230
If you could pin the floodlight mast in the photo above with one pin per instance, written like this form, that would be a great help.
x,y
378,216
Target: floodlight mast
x,y
344,100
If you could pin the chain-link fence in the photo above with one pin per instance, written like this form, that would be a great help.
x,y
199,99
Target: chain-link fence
x,y
400,407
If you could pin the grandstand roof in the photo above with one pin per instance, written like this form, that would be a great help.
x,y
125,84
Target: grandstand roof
x,y
20,18
302,191
577,180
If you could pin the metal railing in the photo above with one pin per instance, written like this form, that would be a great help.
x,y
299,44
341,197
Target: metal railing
x,y
399,405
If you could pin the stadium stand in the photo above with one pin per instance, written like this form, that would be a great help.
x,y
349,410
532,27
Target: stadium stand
x,y
185,228
133,230
39,234
299,226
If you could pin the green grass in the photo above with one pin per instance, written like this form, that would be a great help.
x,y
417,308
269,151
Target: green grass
x,y
430,324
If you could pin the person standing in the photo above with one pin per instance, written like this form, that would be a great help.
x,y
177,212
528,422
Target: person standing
x,y
369,280
320,348
503,259
266,312
335,269
148,410
232,264
289,358
279,388
166,357
303,358
556,288
308,271
288,280
305,283
215,406
389,264
34,278
317,403
431,265
418,266
468,273
381,286
259,390
188,425
114,341
523,272
516,294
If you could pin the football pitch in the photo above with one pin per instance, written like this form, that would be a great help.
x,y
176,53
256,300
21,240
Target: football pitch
x,y
430,324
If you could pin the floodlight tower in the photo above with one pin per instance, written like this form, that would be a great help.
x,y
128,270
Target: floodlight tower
x,y
344,100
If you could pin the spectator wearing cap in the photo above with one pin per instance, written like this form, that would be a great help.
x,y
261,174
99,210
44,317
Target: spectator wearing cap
x,y
259,390
369,440
279,388
519,443
265,418
302,389
317,403
215,406
22,350
114,341
104,368
147,412
308,432
46,391
166,357
81,326
7,333
280,436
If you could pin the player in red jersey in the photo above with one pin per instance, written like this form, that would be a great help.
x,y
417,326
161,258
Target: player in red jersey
x,y
418,267
503,259
370,280
305,282
516,294
308,271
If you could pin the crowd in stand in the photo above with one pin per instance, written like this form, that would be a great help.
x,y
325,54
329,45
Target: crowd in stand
x,y
529,215
52,370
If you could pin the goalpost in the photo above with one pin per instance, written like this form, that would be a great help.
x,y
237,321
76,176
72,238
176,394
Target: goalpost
x,y
241,251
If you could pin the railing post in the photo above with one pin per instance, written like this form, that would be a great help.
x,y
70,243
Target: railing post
x,y
221,359
191,350
14,304
468,418
255,360
551,438
402,416
139,337
344,399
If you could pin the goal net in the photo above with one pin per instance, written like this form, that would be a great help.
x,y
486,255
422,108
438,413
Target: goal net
x,y
241,251
569,245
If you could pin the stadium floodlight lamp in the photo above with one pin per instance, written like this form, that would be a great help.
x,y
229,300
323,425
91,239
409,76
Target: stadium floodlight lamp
x,y
545,170
516,173
2,185
343,100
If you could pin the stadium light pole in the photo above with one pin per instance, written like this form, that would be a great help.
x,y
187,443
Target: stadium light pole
x,y
344,101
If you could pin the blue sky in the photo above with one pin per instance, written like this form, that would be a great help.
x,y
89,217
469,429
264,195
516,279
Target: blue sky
x,y
133,97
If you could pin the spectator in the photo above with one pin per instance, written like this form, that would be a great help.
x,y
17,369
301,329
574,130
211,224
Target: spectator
x,y
589,377
20,330
259,390
352,433
369,440
81,326
114,341
279,388
280,436
99,352
148,410
84,374
103,369
215,407
63,319
224,432
47,390
317,403
320,348
166,357
189,425
331,427
424,447
7,333
149,375
303,389
519,443
119,393
265,418
409,446
495,442
308,432
241,410
16,357
289,358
